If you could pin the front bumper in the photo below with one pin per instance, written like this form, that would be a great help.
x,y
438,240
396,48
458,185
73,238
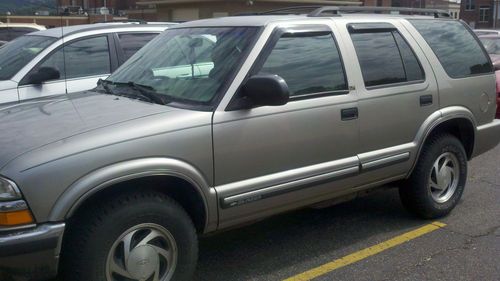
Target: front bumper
x,y
31,254
487,137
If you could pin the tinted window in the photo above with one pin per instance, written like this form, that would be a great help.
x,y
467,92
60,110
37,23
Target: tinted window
x,y
379,57
87,57
17,53
309,64
56,61
456,48
133,42
83,58
412,66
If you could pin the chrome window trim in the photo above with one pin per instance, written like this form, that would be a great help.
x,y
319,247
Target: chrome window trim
x,y
13,206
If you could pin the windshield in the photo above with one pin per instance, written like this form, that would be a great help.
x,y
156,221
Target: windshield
x,y
19,52
187,65
492,45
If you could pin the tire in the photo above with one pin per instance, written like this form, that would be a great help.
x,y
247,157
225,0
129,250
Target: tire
x,y
420,194
95,239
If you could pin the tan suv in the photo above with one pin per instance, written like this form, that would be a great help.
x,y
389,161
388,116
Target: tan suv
x,y
220,122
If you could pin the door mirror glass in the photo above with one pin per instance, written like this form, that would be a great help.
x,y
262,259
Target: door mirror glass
x,y
262,90
44,74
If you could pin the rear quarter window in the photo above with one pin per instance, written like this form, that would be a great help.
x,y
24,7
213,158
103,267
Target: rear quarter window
x,y
457,49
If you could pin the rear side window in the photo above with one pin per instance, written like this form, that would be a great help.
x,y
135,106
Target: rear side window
x,y
309,63
385,58
133,42
456,48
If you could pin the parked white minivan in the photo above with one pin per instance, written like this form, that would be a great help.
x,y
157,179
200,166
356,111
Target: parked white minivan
x,y
65,60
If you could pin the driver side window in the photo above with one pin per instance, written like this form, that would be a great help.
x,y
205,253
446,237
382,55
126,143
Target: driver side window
x,y
82,58
310,63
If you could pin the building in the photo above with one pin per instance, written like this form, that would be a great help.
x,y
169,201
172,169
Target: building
x,y
94,6
479,13
452,6
185,10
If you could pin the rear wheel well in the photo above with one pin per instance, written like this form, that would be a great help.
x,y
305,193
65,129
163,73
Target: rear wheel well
x,y
176,188
461,128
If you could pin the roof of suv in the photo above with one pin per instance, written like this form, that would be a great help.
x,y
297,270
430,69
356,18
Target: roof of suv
x,y
69,30
265,20
331,12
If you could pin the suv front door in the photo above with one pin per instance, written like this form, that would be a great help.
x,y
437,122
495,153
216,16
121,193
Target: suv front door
x,y
270,158
81,63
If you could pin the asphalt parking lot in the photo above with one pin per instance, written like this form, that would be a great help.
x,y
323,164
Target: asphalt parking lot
x,y
466,248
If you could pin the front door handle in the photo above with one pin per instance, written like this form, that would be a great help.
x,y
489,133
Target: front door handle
x,y
426,100
349,114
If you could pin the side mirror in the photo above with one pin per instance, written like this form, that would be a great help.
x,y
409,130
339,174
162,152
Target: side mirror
x,y
262,90
42,75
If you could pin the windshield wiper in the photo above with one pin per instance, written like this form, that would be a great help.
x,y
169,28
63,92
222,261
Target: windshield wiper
x,y
146,91
140,91
106,87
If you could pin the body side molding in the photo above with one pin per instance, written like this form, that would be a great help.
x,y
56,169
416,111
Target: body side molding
x,y
246,191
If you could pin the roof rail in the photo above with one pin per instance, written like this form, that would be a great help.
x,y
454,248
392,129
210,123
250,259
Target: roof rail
x,y
285,11
136,21
337,10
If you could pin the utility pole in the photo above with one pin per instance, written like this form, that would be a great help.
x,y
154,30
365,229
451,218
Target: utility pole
x,y
105,13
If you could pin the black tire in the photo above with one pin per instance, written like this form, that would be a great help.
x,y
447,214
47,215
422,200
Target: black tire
x,y
91,234
415,192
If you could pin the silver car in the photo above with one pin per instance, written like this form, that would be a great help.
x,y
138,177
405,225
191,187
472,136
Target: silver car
x,y
66,60
221,122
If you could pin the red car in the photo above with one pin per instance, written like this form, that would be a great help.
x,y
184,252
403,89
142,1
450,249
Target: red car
x,y
492,45
497,73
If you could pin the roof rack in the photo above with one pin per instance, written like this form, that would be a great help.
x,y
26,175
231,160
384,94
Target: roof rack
x,y
136,21
318,11
338,10
297,10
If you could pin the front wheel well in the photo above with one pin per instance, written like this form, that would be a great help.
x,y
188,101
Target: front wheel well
x,y
180,190
461,128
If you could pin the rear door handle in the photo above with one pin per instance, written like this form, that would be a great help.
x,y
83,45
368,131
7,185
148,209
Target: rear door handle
x,y
426,100
349,114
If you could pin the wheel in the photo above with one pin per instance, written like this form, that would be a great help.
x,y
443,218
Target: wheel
x,y
438,180
143,237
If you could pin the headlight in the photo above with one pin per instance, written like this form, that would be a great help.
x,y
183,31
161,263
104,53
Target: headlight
x,y
8,190
13,211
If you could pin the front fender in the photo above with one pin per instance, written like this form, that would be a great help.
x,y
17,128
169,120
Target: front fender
x,y
107,176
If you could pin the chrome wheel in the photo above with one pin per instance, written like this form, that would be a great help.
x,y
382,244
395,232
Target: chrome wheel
x,y
146,252
444,178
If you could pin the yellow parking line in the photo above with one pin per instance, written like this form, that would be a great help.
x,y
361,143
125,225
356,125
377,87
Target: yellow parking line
x,y
365,253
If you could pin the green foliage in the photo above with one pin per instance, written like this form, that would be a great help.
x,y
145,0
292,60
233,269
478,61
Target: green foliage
x,y
27,7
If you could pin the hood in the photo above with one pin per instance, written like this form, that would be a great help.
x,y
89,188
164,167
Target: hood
x,y
33,124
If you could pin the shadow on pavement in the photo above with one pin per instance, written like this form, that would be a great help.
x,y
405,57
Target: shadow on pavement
x,y
258,251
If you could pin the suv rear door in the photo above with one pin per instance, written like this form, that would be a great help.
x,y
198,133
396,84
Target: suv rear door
x,y
271,158
397,93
